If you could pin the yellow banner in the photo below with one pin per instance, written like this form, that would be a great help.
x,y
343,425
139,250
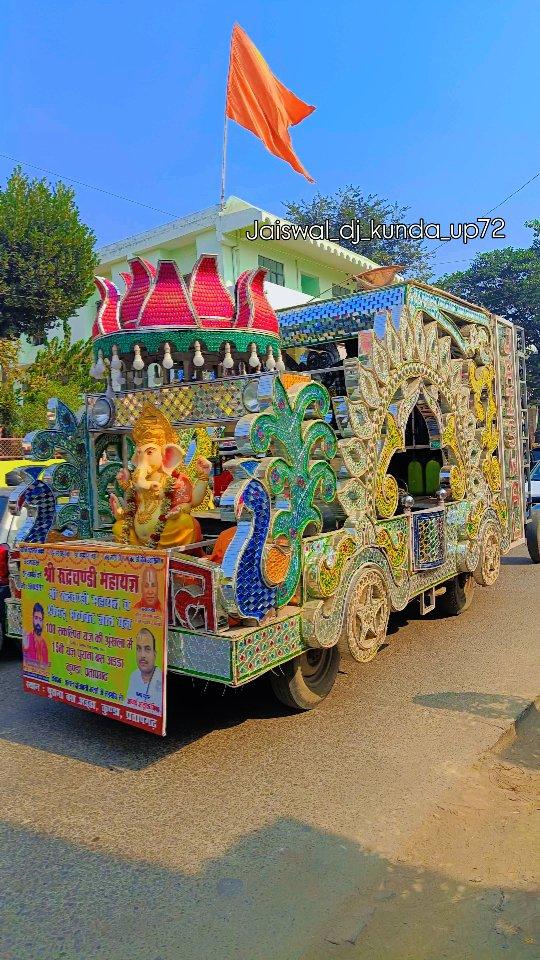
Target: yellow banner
x,y
94,620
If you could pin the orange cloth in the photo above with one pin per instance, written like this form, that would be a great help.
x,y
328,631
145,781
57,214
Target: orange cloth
x,y
258,101
221,544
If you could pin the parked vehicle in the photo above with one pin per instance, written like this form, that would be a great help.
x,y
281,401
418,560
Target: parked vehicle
x,y
11,470
535,484
533,524
9,525
367,453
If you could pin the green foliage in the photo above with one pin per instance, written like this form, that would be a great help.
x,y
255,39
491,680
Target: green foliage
x,y
9,368
534,225
8,409
59,370
351,203
507,282
46,257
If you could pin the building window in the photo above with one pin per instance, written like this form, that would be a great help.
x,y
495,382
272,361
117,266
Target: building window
x,y
274,270
310,285
339,291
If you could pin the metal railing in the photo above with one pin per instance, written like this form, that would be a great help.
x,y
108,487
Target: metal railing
x,y
11,448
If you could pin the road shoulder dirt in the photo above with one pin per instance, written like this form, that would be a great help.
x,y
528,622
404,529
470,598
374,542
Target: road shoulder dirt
x,y
464,884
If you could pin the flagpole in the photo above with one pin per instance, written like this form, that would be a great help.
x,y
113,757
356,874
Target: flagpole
x,y
225,130
224,161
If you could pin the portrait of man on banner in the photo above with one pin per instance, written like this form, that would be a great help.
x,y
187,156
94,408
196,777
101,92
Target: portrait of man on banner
x,y
149,600
145,689
35,651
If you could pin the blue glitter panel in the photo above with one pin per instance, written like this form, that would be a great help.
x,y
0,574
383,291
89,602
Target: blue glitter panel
x,y
338,319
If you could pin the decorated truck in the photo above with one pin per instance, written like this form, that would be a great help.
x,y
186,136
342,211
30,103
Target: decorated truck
x,y
247,495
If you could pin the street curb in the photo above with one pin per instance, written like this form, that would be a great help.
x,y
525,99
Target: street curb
x,y
512,731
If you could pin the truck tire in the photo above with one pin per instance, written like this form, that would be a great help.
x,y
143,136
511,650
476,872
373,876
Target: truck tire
x,y
15,644
303,682
458,596
532,531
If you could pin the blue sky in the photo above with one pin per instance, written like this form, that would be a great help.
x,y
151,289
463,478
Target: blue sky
x,y
433,104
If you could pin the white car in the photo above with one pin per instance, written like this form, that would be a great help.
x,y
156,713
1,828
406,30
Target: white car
x,y
535,484
532,528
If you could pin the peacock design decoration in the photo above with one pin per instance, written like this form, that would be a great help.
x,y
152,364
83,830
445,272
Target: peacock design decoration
x,y
243,563
66,439
295,475
40,502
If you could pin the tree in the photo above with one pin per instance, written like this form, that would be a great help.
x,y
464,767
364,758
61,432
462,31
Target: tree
x,y
351,203
60,370
9,369
47,261
507,282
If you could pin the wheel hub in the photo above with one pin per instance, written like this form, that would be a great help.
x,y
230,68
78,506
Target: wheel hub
x,y
368,619
314,664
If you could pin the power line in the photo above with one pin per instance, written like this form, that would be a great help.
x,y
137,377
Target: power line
x,y
496,207
90,186
439,245
167,213
117,196
110,193
510,195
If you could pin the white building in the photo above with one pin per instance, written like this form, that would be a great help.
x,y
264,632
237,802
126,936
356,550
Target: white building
x,y
299,269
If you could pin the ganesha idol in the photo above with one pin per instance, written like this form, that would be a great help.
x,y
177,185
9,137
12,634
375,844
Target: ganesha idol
x,y
159,496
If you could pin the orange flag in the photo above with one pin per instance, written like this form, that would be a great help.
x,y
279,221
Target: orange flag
x,y
258,101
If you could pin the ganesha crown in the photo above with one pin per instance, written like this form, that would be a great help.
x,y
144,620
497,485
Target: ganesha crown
x,y
152,426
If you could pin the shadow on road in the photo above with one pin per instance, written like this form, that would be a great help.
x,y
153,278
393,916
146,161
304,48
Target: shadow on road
x,y
516,561
286,892
483,704
411,614
194,709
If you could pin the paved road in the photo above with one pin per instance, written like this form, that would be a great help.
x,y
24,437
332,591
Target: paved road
x,y
245,833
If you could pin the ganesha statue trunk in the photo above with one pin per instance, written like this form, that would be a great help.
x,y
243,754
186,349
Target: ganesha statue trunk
x,y
159,496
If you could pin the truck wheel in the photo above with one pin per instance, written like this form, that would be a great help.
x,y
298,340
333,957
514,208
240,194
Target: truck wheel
x,y
303,682
489,565
458,596
532,531
15,644
366,617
